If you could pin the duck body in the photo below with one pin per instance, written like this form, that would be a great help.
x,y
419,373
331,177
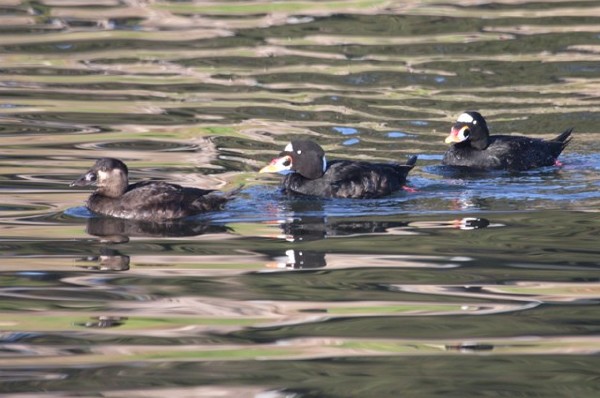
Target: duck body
x,y
155,201
147,200
308,173
473,147
349,179
506,152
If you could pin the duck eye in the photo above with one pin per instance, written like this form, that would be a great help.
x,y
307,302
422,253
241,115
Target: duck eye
x,y
287,162
466,132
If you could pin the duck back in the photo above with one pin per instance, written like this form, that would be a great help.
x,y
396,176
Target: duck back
x,y
156,201
508,152
350,179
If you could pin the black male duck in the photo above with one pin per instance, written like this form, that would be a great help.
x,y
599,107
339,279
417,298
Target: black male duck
x,y
307,172
473,147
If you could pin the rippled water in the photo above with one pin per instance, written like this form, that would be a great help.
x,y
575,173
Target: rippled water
x,y
473,285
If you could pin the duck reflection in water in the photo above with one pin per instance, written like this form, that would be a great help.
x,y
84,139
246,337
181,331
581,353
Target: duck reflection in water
x,y
299,259
103,322
297,231
468,223
305,221
108,260
118,230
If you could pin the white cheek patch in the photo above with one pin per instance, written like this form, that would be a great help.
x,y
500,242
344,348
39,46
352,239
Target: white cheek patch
x,y
465,118
103,175
461,134
324,164
283,169
289,148
467,223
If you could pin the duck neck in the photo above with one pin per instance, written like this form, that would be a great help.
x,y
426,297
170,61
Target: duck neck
x,y
480,139
115,190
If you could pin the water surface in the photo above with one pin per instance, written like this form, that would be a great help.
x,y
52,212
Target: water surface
x,y
482,284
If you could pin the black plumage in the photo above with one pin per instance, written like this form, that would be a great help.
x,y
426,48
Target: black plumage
x,y
473,147
308,173
147,200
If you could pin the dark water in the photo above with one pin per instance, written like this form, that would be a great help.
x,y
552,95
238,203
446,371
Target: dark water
x,y
474,285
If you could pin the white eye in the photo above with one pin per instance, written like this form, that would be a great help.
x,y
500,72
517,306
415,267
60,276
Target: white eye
x,y
283,165
289,148
464,133
465,118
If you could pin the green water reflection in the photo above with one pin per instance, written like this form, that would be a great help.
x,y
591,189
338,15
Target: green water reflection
x,y
473,285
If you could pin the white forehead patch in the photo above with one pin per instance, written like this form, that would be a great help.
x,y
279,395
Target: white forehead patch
x,y
465,118
289,148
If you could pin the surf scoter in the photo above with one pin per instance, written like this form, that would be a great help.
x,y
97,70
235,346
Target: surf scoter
x,y
307,172
473,147
146,200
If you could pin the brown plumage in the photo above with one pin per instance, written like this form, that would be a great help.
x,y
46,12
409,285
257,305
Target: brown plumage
x,y
146,200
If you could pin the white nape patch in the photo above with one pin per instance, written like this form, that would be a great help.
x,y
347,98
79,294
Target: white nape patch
x,y
465,118
324,164
289,148
291,256
299,151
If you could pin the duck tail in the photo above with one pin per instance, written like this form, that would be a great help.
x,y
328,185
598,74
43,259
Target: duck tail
x,y
226,195
233,193
564,138
215,200
412,161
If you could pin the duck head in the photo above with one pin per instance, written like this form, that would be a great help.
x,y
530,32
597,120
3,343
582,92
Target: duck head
x,y
304,157
470,128
109,175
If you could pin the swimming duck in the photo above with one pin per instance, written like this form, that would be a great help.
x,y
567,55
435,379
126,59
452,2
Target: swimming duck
x,y
147,200
307,172
473,147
